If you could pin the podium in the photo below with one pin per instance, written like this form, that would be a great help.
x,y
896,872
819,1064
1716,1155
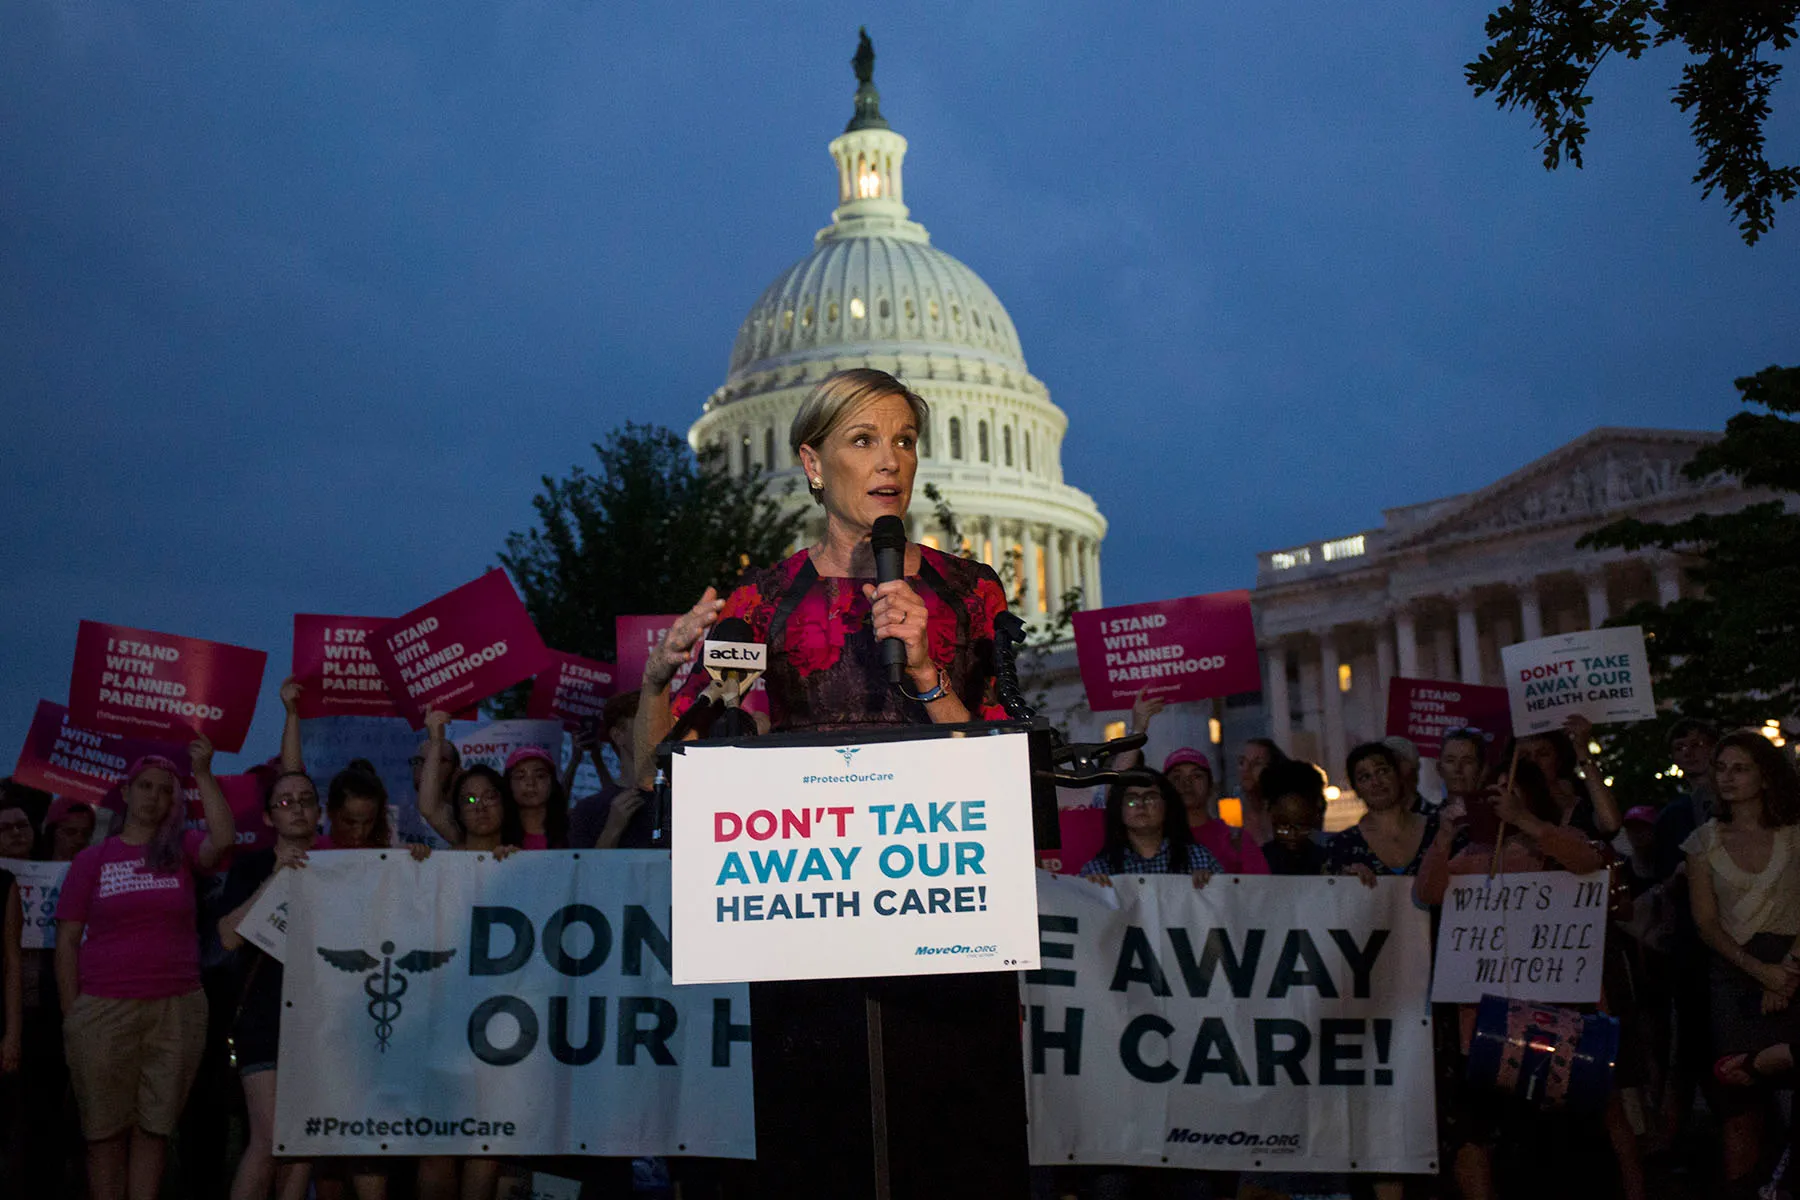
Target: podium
x,y
888,1086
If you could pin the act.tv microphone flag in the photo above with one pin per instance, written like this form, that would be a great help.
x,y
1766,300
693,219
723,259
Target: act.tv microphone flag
x,y
733,658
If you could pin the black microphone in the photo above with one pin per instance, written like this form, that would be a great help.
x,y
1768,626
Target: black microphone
x,y
888,539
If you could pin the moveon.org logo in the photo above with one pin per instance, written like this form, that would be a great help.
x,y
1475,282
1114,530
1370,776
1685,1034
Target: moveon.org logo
x,y
1273,1143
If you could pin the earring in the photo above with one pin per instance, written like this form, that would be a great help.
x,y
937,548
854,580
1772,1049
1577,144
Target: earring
x,y
818,482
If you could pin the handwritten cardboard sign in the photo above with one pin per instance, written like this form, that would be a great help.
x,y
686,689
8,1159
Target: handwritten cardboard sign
x,y
336,671
1533,935
163,686
459,649
60,757
1423,710
1601,674
1189,649
573,690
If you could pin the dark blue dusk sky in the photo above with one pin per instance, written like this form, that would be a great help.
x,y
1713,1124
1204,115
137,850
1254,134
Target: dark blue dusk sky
x,y
298,301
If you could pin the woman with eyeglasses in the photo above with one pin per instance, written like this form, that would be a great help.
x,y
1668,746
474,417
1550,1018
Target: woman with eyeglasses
x,y
1146,833
475,813
291,809
356,802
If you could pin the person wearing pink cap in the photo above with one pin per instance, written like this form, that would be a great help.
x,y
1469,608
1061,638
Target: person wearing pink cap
x,y
537,792
128,969
1190,771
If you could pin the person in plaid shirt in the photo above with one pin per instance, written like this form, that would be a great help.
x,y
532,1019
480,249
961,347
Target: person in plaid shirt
x,y
1147,834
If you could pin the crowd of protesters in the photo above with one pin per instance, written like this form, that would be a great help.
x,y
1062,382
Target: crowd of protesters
x,y
154,1020
154,1015
1702,963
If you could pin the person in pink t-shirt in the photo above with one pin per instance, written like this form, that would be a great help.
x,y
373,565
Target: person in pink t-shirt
x,y
1190,772
128,970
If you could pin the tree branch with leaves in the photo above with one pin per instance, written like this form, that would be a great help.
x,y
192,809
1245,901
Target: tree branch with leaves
x,y
1542,55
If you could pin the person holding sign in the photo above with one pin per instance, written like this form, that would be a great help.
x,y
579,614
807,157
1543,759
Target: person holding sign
x,y
1744,885
291,809
128,968
477,811
1575,779
824,616
1522,816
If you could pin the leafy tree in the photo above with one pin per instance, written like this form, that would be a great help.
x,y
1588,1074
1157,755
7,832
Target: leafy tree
x,y
647,531
1732,654
1542,54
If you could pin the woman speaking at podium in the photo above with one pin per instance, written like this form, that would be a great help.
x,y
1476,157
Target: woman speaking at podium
x,y
821,612
937,1056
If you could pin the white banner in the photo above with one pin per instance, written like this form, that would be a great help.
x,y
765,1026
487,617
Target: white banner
x,y
823,862
265,925
40,884
1534,935
1601,674
1258,1023
465,1006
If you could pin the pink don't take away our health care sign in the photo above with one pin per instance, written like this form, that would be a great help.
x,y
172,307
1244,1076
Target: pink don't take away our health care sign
x,y
1194,648
459,649
164,687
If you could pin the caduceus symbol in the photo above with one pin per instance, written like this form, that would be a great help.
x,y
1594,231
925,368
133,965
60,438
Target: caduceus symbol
x,y
387,979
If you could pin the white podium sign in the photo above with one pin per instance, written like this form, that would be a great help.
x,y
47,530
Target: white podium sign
x,y
826,862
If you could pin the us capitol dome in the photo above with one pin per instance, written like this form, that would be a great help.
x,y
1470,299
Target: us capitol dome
x,y
874,292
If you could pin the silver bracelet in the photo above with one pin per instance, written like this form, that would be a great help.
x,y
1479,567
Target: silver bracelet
x,y
938,690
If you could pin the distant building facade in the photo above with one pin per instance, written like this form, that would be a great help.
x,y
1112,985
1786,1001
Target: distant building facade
x,y
1439,587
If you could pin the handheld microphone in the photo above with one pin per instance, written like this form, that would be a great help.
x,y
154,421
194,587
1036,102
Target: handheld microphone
x,y
734,659
888,539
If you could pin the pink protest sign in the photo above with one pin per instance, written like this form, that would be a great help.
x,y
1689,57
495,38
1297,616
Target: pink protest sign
x,y
162,686
1188,649
637,636
459,649
1423,710
572,690
337,674
70,761
1083,831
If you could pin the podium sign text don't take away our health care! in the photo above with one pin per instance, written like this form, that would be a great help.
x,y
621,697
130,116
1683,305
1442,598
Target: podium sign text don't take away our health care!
x,y
823,862
459,649
1194,648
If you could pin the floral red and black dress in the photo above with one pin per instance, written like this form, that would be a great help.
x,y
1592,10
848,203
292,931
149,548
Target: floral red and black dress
x,y
825,669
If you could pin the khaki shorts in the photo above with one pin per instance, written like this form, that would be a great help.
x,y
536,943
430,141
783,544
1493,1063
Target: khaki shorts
x,y
132,1061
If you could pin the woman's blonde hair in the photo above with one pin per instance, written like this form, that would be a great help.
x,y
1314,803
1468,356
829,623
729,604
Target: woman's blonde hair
x,y
840,394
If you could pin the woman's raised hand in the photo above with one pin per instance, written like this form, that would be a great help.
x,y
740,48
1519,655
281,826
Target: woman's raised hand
x,y
290,694
436,722
897,612
1142,709
200,755
679,642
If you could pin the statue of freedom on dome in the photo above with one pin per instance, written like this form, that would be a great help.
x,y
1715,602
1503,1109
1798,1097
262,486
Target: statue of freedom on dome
x,y
864,61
